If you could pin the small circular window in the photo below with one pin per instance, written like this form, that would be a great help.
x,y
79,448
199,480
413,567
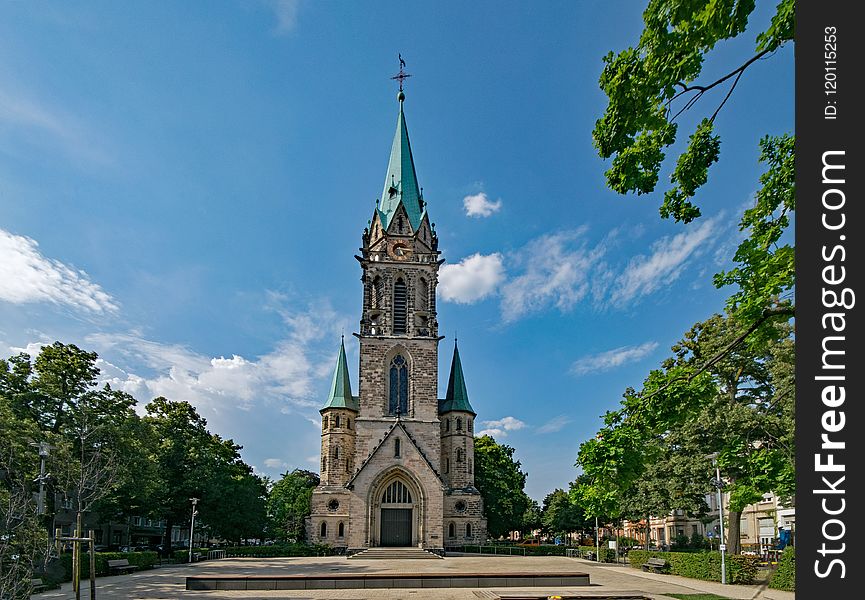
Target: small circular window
x,y
333,504
460,506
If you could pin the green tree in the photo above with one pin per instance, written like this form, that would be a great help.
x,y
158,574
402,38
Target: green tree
x,y
178,440
234,504
23,539
95,461
190,462
561,515
711,396
532,518
288,504
501,483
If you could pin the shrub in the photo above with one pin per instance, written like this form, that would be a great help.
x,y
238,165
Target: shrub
x,y
784,577
280,550
182,556
702,565
144,560
606,554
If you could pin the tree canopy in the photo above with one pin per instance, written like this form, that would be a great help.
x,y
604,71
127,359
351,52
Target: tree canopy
x,y
502,485
288,504
652,455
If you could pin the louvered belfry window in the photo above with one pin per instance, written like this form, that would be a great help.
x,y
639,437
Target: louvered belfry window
x,y
399,307
396,493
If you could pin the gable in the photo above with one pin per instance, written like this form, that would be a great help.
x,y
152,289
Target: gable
x,y
408,447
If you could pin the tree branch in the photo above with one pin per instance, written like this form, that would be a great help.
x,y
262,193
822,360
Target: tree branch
x,y
702,89
767,314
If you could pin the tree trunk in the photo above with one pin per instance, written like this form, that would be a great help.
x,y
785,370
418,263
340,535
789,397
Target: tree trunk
x,y
734,545
166,544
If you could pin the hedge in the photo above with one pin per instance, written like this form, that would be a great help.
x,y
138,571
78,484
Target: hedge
x,y
279,550
784,577
182,556
702,565
606,554
144,560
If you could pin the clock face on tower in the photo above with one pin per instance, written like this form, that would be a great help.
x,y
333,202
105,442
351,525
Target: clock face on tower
x,y
399,250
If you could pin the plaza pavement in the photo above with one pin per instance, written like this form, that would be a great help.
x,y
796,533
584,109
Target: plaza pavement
x,y
168,583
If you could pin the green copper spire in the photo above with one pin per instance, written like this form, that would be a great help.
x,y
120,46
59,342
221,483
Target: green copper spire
x,y
340,389
457,398
400,182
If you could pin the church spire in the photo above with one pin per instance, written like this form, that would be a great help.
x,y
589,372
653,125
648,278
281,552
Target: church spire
x,y
400,182
457,397
340,390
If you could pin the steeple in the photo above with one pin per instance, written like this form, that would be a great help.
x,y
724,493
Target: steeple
x,y
457,398
340,390
400,182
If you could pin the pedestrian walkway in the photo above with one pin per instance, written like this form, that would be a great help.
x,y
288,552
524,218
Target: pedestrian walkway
x,y
610,581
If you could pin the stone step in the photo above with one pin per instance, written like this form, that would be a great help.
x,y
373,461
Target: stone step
x,y
394,554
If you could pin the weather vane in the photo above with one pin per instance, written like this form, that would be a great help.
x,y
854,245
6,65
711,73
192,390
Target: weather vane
x,y
402,75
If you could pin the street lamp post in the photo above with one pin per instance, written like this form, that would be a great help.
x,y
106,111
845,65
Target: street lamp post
x,y
44,447
718,485
192,526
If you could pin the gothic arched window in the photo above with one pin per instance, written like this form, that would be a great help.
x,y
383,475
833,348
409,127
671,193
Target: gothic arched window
x,y
323,529
396,444
468,530
400,307
452,530
459,455
340,529
447,424
396,493
398,392
459,424
336,453
336,421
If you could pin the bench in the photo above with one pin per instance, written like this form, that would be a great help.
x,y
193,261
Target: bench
x,y
656,565
38,586
121,566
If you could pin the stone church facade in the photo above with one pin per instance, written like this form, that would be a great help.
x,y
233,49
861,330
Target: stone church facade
x,y
397,461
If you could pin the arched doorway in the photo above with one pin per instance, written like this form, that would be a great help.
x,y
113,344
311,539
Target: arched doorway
x,y
396,515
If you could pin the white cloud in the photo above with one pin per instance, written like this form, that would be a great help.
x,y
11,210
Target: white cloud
x,y
500,427
472,279
29,121
557,270
646,274
28,276
275,463
287,376
612,358
479,205
555,424
286,14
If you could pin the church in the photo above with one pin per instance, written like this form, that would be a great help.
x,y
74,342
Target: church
x,y
397,461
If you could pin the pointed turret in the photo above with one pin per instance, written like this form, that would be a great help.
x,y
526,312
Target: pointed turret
x,y
400,182
457,398
340,390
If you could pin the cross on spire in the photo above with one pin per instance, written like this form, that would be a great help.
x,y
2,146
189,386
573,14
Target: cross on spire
x,y
402,75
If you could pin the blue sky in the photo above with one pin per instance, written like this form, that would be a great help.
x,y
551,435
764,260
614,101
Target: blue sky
x,y
183,187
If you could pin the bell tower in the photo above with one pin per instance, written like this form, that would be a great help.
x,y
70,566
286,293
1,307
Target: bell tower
x,y
398,326
396,460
